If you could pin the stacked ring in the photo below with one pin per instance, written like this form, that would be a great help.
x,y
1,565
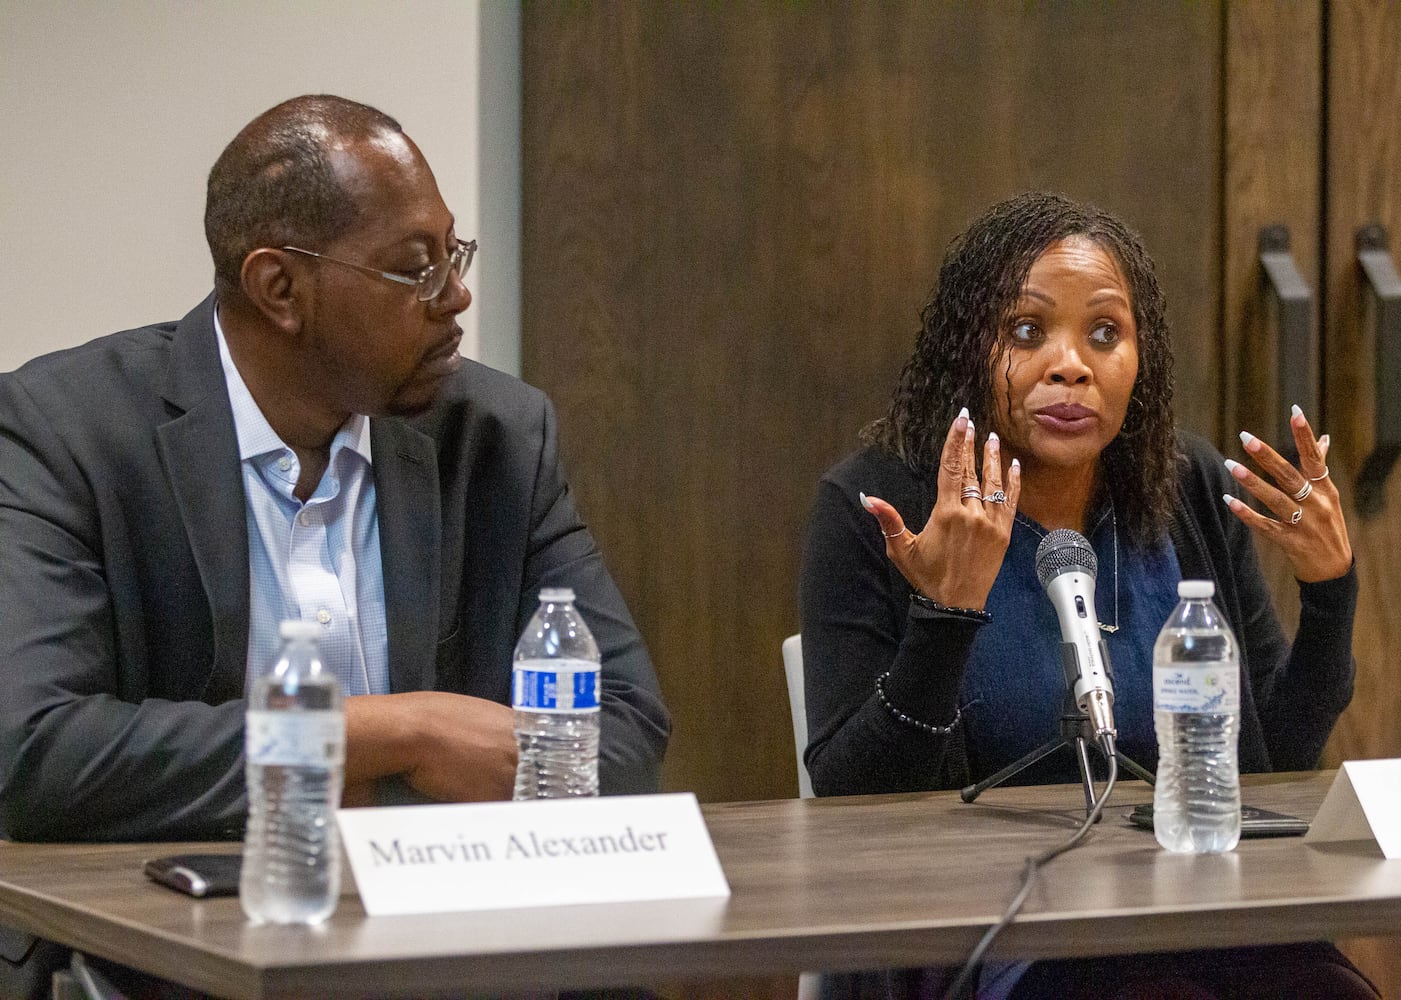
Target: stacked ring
x,y
1304,491
972,493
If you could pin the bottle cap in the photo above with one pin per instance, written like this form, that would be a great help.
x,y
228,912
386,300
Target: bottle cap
x,y
1196,589
557,595
296,629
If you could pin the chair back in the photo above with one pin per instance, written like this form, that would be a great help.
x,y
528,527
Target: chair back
x,y
809,983
793,670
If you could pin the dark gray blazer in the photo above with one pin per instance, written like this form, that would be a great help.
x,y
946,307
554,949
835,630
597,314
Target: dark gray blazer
x,y
124,580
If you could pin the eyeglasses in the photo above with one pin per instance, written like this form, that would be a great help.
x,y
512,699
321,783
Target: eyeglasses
x,y
429,282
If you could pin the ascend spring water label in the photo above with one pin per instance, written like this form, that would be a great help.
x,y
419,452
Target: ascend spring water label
x,y
555,685
295,739
1212,688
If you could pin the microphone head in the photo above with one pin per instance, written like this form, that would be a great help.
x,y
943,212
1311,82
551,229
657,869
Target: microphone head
x,y
1064,551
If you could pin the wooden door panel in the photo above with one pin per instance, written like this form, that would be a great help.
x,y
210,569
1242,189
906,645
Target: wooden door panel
x,y
732,214
1364,186
1273,176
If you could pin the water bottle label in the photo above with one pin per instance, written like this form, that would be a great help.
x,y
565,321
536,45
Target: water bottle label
x,y
555,685
295,739
1213,689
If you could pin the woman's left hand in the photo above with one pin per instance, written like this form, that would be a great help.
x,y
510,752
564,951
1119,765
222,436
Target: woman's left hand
x,y
1308,524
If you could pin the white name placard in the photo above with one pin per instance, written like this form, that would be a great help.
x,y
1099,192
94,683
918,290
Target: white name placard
x,y
436,859
1364,803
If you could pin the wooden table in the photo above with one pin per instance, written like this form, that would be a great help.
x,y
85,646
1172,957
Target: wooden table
x,y
834,883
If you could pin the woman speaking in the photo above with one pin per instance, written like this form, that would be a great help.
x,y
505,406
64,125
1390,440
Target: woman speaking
x,y
1039,396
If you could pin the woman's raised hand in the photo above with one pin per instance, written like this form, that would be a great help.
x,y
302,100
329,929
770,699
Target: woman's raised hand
x,y
955,559
1308,523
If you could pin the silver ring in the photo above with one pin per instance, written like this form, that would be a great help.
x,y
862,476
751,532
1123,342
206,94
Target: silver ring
x,y
996,496
1304,492
1297,516
1319,479
972,493
894,534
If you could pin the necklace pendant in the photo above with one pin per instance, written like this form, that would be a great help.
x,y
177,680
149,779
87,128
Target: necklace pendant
x,y
1111,629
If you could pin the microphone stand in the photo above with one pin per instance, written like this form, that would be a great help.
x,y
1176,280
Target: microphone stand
x,y
1075,733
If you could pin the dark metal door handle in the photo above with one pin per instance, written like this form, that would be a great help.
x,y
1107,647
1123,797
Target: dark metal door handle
x,y
1289,303
1383,317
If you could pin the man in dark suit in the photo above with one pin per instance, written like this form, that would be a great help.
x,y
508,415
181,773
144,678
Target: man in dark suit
x,y
150,482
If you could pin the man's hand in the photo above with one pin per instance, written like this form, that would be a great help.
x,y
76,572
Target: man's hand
x,y
450,747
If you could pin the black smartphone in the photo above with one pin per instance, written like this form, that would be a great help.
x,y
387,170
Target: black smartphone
x,y
1254,822
197,874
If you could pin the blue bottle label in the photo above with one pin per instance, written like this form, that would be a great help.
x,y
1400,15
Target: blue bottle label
x,y
295,739
555,685
1209,688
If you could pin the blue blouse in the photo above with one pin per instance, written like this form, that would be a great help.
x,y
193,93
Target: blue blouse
x,y
1014,687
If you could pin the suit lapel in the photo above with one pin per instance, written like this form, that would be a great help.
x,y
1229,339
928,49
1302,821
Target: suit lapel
x,y
410,531
199,448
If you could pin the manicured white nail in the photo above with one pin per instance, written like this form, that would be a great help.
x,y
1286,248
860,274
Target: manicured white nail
x,y
1247,439
866,502
992,437
1232,466
1294,411
1324,441
963,413
1016,463
1228,498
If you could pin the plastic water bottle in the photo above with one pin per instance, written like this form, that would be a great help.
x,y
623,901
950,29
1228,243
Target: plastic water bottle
x,y
1196,703
295,749
554,691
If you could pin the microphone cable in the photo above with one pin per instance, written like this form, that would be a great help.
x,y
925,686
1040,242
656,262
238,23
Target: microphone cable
x,y
973,966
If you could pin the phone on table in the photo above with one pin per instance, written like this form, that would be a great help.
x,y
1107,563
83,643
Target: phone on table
x,y
197,874
1254,822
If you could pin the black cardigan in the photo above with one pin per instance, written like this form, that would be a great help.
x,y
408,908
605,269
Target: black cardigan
x,y
857,623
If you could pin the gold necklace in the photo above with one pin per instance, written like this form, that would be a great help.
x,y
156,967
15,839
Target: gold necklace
x,y
1027,522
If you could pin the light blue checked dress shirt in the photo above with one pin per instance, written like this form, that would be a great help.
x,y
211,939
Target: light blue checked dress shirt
x,y
318,560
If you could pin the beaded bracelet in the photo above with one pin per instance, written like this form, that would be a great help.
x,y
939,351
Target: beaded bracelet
x,y
972,614
908,720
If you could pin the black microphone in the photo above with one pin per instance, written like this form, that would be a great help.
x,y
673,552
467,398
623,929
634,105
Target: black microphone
x,y
1066,565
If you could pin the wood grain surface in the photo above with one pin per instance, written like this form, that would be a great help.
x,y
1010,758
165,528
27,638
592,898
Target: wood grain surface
x,y
1273,175
732,214
833,883
1363,187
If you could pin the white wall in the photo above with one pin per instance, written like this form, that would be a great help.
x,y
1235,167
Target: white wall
x,y
113,111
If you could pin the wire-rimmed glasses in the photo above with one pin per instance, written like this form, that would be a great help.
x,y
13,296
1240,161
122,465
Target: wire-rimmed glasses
x,y
429,283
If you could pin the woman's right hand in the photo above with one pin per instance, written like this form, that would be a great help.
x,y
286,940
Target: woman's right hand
x,y
956,558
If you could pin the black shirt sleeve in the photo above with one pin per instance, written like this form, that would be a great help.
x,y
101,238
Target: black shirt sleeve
x,y
857,625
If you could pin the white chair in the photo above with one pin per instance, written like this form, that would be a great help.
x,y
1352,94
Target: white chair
x,y
793,670
809,983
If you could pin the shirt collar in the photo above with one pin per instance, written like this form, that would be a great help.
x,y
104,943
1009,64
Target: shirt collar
x,y
256,436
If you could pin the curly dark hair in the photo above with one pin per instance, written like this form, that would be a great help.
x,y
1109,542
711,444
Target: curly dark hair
x,y
274,185
960,344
